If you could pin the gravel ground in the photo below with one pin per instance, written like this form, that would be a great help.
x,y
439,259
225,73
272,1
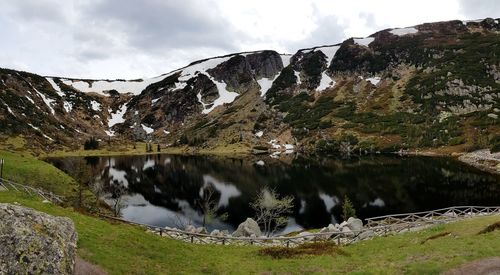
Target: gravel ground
x,y
489,266
483,160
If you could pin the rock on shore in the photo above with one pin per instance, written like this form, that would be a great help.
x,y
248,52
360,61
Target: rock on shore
x,y
32,242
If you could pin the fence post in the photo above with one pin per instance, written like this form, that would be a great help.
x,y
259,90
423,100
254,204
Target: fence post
x,y
192,239
161,232
1,168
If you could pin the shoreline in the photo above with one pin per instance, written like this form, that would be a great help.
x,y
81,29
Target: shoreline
x,y
481,159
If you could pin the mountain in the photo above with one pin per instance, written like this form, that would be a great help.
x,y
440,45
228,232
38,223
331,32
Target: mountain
x,y
430,85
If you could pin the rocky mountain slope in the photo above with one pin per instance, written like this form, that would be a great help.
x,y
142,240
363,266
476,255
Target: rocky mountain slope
x,y
435,84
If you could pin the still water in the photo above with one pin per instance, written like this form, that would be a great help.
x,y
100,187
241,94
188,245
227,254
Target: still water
x,y
165,190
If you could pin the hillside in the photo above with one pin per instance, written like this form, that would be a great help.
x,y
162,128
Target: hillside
x,y
426,86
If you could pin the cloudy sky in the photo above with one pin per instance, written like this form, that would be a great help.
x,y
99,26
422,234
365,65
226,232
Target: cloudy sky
x,y
133,39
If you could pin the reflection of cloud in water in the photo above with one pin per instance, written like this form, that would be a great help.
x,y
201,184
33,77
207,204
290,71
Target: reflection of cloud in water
x,y
291,226
302,206
150,163
329,201
226,190
138,209
167,161
119,176
377,202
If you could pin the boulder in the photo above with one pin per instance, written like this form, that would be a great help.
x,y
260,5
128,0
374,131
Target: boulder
x,y
32,242
190,229
201,230
306,235
248,228
366,235
347,231
354,224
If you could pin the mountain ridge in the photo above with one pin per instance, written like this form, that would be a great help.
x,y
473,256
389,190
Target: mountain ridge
x,y
382,90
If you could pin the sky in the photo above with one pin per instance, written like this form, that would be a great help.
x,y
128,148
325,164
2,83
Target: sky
x,y
129,39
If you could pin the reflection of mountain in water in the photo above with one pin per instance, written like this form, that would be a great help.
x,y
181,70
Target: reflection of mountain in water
x,y
162,189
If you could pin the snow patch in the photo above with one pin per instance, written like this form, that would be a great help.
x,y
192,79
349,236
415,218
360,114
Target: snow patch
x,y
166,132
374,80
265,84
330,52
364,41
96,106
125,86
154,101
326,82
147,129
297,74
259,134
285,58
403,31
68,106
117,117
55,86
260,163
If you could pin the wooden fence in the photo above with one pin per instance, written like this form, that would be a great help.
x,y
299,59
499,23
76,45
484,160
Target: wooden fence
x,y
376,226
49,196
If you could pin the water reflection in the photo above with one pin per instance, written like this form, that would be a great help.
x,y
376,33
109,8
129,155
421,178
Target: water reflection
x,y
165,190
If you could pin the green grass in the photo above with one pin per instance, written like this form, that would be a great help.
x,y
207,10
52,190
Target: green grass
x,y
121,248
125,249
26,169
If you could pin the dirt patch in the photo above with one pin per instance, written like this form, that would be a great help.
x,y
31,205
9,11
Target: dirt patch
x,y
490,266
83,267
317,248
490,228
443,234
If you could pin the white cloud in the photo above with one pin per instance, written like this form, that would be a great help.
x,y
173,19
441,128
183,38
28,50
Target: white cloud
x,y
130,39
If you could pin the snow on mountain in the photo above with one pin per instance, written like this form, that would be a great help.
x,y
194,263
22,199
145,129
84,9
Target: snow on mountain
x,y
364,41
374,80
121,86
201,67
265,84
403,31
55,86
326,82
147,129
96,106
329,51
285,58
117,117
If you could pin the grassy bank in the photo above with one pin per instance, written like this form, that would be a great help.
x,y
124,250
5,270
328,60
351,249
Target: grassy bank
x,y
121,248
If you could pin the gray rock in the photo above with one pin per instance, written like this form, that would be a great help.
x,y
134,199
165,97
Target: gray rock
x,y
215,232
247,228
32,242
354,224
347,231
366,235
190,229
201,230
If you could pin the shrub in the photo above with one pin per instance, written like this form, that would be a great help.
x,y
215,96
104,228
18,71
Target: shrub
x,y
91,144
347,209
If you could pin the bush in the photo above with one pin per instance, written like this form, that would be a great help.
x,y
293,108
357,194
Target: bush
x,y
348,209
91,144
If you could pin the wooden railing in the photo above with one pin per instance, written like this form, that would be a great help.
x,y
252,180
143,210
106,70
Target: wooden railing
x,y
49,196
376,226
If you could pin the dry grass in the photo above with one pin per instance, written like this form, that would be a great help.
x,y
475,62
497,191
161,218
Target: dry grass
x,y
443,234
490,228
316,248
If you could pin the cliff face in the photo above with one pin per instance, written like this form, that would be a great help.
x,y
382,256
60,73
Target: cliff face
x,y
429,85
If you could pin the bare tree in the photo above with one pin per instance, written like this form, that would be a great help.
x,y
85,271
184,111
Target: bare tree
x,y
208,205
117,192
270,210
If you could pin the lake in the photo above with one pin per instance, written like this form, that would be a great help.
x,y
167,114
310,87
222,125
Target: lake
x,y
165,190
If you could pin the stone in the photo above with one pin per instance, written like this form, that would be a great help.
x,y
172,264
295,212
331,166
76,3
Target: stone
x,y
215,232
367,234
247,228
332,228
354,224
347,231
33,242
201,230
191,229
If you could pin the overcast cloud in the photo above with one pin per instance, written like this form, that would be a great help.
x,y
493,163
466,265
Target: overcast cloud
x,y
132,39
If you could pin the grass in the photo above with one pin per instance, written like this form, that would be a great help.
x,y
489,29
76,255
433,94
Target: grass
x,y
125,249
121,248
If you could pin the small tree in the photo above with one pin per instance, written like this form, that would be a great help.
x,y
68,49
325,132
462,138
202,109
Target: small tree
x,y
348,209
271,211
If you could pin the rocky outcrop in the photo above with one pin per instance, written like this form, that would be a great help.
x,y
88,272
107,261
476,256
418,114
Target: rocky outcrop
x,y
248,228
32,242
